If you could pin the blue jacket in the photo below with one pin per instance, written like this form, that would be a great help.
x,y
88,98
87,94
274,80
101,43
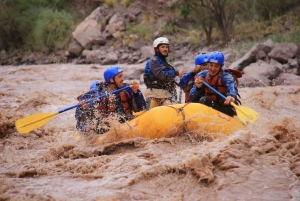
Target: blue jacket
x,y
94,116
159,74
227,80
186,82
186,79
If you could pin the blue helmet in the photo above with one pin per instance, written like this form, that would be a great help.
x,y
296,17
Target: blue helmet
x,y
216,57
94,84
111,72
201,59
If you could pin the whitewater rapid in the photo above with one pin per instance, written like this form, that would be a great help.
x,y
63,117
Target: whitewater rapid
x,y
55,162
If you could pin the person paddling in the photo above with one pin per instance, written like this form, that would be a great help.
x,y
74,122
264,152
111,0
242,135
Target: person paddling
x,y
220,79
94,117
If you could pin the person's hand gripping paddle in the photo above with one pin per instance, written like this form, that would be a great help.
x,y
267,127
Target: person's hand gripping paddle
x,y
245,114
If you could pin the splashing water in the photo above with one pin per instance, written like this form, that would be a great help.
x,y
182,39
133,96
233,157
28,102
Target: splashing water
x,y
55,162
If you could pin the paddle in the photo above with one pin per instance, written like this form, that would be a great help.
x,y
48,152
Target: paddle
x,y
34,121
245,114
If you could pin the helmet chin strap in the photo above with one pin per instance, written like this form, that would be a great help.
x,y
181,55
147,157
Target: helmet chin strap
x,y
116,84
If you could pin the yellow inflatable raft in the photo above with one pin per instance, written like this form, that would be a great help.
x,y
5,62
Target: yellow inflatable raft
x,y
168,121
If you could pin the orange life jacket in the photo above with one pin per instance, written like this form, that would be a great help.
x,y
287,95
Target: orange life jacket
x,y
107,105
236,74
125,98
216,83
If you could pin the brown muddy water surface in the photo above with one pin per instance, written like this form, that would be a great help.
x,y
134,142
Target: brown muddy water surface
x,y
56,163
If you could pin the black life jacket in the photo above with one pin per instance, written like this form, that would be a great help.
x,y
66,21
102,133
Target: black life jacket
x,y
152,82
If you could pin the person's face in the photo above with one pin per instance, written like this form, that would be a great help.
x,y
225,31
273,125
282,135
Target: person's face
x,y
164,49
214,68
119,78
203,67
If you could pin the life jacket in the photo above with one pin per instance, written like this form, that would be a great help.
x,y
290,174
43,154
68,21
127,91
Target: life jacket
x,y
187,98
152,82
216,83
107,105
236,74
188,88
125,99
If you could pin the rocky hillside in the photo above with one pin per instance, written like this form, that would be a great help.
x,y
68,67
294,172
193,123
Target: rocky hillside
x,y
115,43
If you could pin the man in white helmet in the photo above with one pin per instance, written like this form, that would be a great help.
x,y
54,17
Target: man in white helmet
x,y
159,76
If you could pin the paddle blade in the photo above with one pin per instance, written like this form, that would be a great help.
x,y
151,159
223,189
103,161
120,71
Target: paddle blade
x,y
34,121
245,114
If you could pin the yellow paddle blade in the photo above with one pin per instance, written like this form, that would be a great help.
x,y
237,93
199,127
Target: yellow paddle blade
x,y
34,121
245,114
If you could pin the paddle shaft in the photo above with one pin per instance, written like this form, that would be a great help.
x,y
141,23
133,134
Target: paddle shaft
x,y
34,121
233,104
213,89
99,97
244,113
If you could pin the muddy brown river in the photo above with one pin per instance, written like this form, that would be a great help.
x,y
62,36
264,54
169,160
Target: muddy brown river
x,y
55,162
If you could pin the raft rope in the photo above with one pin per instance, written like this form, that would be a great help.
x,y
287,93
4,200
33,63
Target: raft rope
x,y
181,111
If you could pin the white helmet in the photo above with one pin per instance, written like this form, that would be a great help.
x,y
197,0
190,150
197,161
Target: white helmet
x,y
160,40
